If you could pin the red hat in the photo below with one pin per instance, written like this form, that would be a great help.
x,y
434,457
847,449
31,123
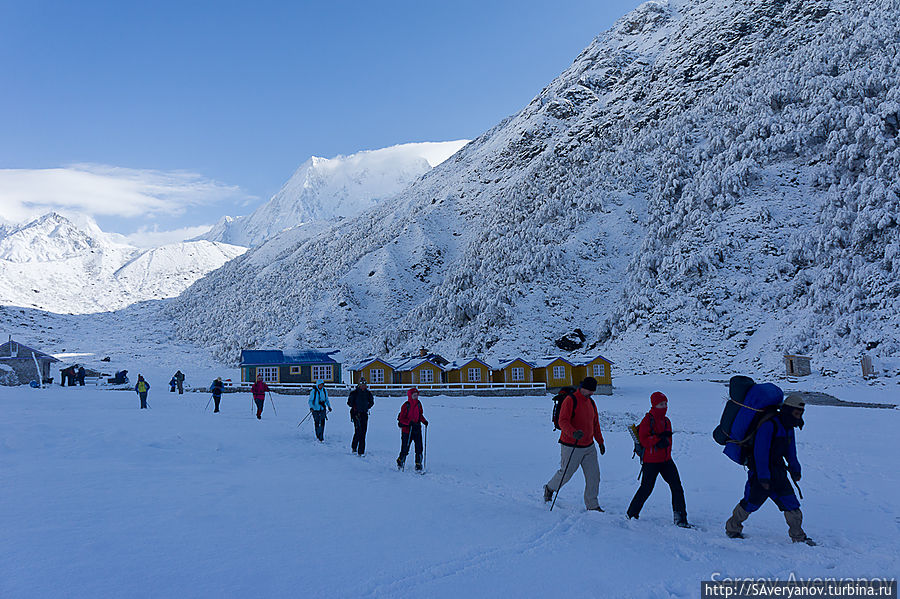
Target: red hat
x,y
657,398
410,391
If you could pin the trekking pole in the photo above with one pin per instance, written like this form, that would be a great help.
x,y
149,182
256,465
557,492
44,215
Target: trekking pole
x,y
207,403
308,414
425,449
272,399
799,492
565,471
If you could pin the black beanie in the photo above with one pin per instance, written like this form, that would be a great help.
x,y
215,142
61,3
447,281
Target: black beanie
x,y
589,383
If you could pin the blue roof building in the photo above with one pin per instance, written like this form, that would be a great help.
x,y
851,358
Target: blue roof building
x,y
291,366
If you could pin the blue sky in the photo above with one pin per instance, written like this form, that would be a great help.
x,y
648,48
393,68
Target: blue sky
x,y
225,99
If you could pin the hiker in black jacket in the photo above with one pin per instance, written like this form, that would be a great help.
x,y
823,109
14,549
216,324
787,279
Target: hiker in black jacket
x,y
360,402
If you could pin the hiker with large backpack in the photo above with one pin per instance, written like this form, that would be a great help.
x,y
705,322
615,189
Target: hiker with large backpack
x,y
216,389
360,402
410,420
655,450
579,424
259,390
318,404
769,450
141,388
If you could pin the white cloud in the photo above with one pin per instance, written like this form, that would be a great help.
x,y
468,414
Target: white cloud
x,y
150,238
101,190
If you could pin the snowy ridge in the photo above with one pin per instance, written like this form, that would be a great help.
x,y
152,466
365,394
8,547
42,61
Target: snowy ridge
x,y
54,264
709,185
324,189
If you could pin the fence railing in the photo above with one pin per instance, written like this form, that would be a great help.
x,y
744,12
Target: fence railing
x,y
396,386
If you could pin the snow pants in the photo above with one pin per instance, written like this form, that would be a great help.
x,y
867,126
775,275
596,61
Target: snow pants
x,y
780,492
216,400
414,434
586,458
649,472
360,426
259,405
319,419
143,397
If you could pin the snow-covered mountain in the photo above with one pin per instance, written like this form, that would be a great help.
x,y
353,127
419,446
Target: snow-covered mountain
x,y
710,184
54,264
325,189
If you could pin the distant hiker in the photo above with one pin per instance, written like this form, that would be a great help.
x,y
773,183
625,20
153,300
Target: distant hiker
x,y
80,375
318,404
141,389
579,426
216,390
72,370
360,402
259,390
179,380
655,435
172,385
410,420
773,445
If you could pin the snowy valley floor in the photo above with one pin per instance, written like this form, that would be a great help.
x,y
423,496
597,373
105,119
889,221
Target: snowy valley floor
x,y
100,499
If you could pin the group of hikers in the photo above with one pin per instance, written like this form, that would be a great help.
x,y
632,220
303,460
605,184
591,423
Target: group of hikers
x,y
72,375
769,449
411,418
769,452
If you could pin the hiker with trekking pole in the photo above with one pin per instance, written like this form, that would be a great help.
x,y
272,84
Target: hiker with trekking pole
x,y
410,420
360,401
772,462
259,390
579,424
654,447
216,389
319,406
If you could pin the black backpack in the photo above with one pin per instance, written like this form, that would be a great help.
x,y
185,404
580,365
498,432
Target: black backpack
x,y
557,404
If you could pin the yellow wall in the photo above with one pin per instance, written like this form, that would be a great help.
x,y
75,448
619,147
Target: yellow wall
x,y
606,379
461,375
367,374
545,375
413,377
506,373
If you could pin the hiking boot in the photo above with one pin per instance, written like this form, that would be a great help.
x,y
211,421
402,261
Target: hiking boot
x,y
680,519
259,416
418,465
595,509
807,540
633,516
734,535
548,494
400,463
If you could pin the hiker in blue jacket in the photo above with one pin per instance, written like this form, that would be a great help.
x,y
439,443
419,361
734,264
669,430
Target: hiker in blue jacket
x,y
774,444
318,404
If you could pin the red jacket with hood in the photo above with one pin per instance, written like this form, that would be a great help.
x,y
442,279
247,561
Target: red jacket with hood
x,y
585,419
410,412
259,390
654,423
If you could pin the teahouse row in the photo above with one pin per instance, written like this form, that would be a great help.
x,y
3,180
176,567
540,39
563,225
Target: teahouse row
x,y
427,370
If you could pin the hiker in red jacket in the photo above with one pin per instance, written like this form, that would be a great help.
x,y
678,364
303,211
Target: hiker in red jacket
x,y
580,426
655,436
259,390
410,421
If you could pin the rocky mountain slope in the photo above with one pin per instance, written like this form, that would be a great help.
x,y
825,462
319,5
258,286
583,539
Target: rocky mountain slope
x,y
54,264
710,184
327,189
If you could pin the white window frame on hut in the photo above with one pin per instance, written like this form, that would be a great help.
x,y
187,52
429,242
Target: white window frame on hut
x,y
599,369
322,372
295,370
429,378
377,375
559,373
269,374
518,374
474,375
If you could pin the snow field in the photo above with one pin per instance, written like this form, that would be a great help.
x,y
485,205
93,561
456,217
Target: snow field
x,y
103,499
